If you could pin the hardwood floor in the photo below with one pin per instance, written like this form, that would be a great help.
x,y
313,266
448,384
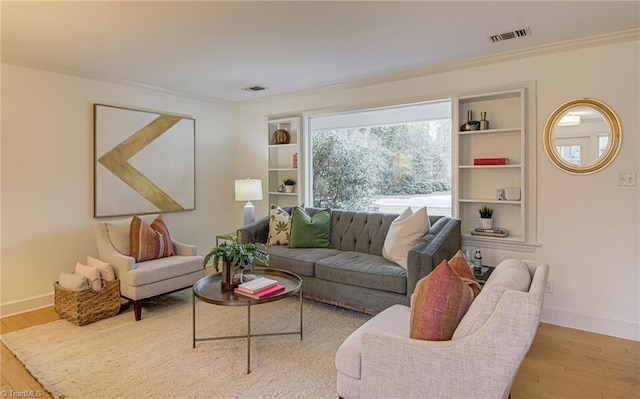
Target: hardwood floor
x,y
15,378
562,363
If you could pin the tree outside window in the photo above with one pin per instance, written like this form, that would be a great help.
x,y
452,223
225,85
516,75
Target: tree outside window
x,y
384,168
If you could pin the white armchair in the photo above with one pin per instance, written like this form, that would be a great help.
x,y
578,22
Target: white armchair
x,y
150,278
379,360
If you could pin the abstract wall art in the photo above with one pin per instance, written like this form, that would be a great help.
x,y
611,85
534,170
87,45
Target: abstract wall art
x,y
144,162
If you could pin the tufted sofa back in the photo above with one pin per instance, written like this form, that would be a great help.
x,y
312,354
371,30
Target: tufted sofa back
x,y
360,231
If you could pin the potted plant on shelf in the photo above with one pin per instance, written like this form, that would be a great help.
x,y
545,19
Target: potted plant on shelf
x,y
288,185
486,217
473,125
235,257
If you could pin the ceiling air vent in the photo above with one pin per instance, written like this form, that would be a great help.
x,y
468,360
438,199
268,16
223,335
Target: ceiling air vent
x,y
254,88
510,35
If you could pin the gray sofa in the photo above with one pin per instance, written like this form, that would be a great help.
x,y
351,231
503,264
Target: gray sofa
x,y
353,273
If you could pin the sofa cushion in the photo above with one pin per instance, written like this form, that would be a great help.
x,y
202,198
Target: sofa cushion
x,y
149,241
440,301
279,226
510,274
403,233
310,231
364,270
301,261
155,270
393,320
360,231
460,265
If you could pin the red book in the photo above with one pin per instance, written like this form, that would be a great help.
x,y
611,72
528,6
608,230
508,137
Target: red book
x,y
261,294
490,161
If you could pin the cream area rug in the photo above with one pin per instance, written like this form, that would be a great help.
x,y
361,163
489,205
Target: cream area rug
x,y
154,358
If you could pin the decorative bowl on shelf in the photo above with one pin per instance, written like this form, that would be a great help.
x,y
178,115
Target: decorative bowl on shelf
x,y
281,136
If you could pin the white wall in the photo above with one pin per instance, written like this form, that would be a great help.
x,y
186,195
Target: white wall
x,y
588,226
47,176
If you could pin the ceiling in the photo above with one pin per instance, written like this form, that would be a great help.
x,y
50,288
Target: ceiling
x,y
215,49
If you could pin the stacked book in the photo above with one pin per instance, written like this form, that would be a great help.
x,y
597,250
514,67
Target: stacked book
x,y
259,288
495,232
490,161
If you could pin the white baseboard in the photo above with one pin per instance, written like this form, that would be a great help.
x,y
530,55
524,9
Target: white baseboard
x,y
600,325
26,305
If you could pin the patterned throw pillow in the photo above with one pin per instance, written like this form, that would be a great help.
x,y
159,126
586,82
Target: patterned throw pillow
x,y
440,301
279,226
149,241
460,265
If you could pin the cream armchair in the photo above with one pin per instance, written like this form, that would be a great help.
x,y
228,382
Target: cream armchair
x,y
379,360
150,278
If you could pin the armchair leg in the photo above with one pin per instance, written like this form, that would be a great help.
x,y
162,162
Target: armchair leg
x,y
137,310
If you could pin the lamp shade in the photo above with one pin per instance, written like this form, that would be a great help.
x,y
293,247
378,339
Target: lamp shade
x,y
248,190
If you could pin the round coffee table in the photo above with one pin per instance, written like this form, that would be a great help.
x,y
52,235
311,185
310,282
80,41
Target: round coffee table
x,y
209,289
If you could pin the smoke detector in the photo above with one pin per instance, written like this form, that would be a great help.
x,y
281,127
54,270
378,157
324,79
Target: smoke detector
x,y
510,35
253,89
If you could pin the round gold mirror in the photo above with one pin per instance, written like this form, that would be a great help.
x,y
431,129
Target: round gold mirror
x,y
582,136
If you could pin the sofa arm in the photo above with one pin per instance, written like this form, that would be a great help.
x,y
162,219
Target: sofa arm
x,y
481,365
442,241
182,249
257,231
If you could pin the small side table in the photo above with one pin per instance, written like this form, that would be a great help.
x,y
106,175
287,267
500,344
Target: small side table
x,y
484,274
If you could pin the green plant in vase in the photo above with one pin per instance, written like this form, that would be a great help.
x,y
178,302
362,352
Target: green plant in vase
x,y
235,257
486,217
288,185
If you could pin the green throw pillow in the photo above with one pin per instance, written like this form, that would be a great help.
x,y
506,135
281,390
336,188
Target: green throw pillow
x,y
310,231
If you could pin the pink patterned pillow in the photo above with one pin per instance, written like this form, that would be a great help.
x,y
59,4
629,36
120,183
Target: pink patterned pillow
x,y
440,301
149,241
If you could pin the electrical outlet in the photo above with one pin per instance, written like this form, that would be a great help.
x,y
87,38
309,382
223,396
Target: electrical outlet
x,y
627,179
549,287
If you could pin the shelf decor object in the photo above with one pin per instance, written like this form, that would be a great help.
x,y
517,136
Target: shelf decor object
x,y
281,136
249,190
490,161
501,233
484,123
486,217
128,177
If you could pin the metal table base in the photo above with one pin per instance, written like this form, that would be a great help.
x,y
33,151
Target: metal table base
x,y
248,335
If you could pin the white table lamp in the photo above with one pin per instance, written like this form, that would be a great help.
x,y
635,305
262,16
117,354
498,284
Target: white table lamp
x,y
249,190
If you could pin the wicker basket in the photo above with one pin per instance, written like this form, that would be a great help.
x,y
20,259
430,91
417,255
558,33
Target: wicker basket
x,y
87,306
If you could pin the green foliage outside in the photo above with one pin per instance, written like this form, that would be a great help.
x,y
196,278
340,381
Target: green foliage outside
x,y
353,167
